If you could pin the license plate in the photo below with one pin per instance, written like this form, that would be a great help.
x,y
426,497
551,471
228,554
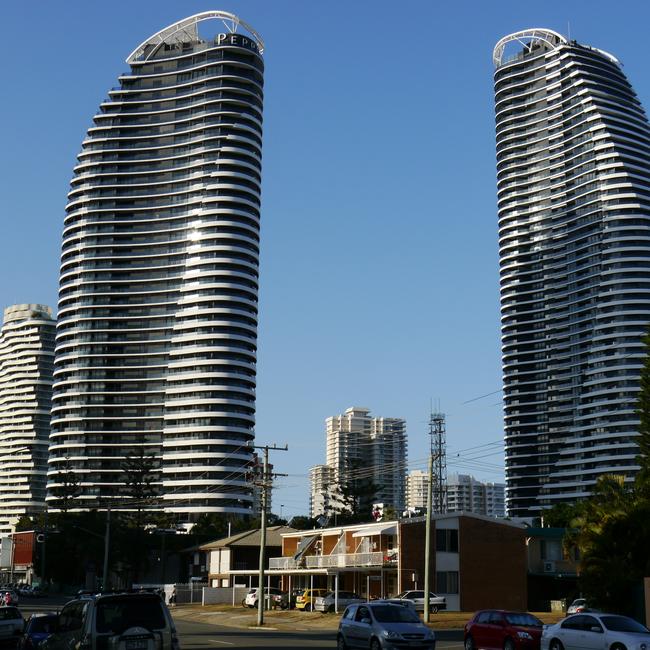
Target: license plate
x,y
139,644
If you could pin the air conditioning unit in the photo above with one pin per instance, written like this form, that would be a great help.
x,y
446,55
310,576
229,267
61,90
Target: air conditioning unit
x,y
549,567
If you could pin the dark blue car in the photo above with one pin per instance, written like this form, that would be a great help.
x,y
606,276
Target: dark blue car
x,y
37,628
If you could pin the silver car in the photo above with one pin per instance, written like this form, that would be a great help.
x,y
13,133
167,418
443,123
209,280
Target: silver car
x,y
328,602
436,602
383,626
595,631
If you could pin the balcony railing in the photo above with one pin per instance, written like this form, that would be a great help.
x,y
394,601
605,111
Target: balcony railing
x,y
340,560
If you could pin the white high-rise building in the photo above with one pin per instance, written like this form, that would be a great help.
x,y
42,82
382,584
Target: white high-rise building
x,y
467,494
417,482
573,163
325,497
362,447
156,341
26,361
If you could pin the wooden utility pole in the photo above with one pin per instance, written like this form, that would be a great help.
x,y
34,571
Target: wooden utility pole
x,y
265,484
427,541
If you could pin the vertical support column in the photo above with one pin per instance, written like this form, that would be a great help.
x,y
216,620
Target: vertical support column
x,y
336,592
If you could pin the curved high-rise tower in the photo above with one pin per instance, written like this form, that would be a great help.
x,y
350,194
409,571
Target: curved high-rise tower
x,y
156,337
26,359
573,168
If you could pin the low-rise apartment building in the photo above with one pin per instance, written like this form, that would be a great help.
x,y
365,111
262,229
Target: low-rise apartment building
x,y
476,561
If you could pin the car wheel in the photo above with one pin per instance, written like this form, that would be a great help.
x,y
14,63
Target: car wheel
x,y
375,645
509,645
556,644
340,643
330,609
434,609
618,646
308,607
469,643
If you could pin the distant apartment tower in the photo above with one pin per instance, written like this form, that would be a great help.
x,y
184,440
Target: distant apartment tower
x,y
417,482
322,490
359,446
467,494
158,295
573,162
26,362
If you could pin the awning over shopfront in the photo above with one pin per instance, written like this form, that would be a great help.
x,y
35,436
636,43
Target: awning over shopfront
x,y
370,532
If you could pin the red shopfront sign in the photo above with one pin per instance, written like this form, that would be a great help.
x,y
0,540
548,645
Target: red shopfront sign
x,y
23,552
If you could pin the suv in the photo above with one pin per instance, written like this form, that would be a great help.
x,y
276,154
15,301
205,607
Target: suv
x,y
121,621
499,629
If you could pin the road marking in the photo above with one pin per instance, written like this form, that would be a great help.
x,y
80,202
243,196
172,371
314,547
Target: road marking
x,y
224,642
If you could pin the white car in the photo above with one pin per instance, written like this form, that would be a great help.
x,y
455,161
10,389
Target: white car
x,y
11,624
577,606
595,631
277,597
436,603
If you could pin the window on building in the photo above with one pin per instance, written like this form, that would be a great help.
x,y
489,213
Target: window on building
x,y
447,582
447,540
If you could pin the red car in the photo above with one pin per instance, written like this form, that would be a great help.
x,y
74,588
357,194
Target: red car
x,y
499,630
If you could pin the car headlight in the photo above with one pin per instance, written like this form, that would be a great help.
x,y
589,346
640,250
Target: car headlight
x,y
524,635
389,634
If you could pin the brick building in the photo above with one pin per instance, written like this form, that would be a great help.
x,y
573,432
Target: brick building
x,y
476,562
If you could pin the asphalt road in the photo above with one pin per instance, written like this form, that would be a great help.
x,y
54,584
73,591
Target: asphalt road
x,y
207,636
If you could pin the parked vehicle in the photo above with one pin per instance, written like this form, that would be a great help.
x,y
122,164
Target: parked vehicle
x,y
577,606
403,602
307,598
327,602
277,598
37,629
500,629
595,630
436,603
11,624
121,621
383,626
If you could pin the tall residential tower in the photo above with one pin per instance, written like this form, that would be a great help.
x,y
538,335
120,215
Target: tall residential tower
x,y
26,360
157,331
361,449
573,169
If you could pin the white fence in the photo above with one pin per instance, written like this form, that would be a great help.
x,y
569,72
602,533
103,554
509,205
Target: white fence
x,y
223,595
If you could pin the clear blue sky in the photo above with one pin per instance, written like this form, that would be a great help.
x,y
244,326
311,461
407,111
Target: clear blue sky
x,y
379,242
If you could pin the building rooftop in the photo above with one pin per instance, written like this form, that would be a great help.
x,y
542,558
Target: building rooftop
x,y
250,538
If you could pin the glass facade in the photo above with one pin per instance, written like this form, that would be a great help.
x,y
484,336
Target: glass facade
x,y
157,332
573,170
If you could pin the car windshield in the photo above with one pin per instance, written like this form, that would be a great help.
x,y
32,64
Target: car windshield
x,y
394,614
524,620
578,602
115,615
42,624
623,624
